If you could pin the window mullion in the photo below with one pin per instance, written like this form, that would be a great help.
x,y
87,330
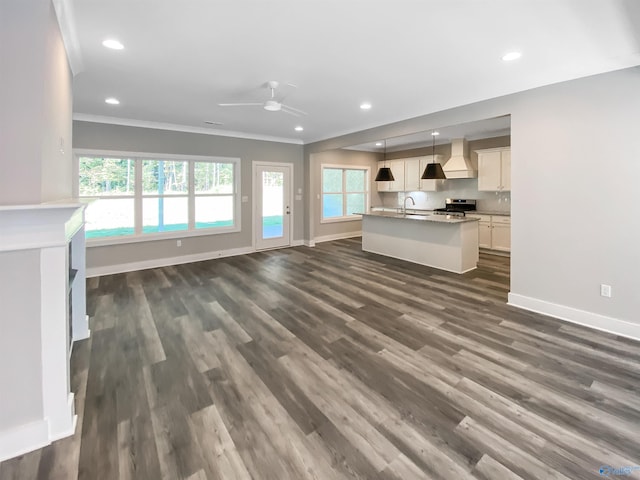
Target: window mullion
x,y
191,202
137,204
344,192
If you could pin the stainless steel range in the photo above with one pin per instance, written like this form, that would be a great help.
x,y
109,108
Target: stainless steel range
x,y
456,207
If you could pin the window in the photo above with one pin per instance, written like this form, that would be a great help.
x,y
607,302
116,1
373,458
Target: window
x,y
214,194
111,182
165,196
147,197
345,192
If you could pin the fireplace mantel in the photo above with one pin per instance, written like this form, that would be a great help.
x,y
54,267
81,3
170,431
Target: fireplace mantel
x,y
40,300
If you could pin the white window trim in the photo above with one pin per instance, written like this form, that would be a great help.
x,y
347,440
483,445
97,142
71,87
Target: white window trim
x,y
138,236
348,218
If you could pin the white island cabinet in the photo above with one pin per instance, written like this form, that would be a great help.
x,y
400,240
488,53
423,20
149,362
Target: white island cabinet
x,y
439,241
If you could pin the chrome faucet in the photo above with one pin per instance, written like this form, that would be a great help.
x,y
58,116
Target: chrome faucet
x,y
413,202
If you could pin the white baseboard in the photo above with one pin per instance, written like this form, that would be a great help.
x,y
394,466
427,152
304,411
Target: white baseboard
x,y
165,262
574,315
82,334
309,243
23,439
297,243
66,433
336,236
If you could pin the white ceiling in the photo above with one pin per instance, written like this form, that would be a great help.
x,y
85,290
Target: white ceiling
x,y
407,57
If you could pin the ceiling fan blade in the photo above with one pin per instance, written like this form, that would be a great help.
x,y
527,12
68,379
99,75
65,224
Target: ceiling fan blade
x,y
292,110
289,92
238,104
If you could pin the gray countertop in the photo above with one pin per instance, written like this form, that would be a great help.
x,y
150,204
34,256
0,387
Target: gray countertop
x,y
427,212
489,212
423,218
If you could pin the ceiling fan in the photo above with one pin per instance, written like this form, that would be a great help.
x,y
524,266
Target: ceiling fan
x,y
271,105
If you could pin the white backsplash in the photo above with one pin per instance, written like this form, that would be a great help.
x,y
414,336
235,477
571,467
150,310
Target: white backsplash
x,y
460,188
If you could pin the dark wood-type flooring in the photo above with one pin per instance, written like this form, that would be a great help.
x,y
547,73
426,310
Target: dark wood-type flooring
x,y
330,363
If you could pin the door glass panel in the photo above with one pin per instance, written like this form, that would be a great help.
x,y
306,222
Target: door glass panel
x,y
272,204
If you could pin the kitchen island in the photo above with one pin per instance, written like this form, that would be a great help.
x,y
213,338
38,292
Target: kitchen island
x,y
440,241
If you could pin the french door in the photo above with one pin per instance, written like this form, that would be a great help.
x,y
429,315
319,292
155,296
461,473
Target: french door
x,y
272,193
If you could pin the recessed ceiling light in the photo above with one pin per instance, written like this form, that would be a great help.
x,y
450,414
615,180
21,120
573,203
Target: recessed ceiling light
x,y
511,56
435,133
365,106
113,44
378,144
112,101
298,128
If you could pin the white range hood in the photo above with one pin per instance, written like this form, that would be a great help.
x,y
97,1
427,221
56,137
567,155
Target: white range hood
x,y
459,165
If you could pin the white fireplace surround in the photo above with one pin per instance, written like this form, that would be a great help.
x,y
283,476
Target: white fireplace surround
x,y
55,232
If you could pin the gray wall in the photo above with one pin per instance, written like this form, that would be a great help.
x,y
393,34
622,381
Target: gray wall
x,y
338,157
573,144
35,99
576,144
87,135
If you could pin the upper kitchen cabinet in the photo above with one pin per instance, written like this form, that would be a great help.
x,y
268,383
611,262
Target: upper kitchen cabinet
x,y
412,174
494,169
397,169
407,173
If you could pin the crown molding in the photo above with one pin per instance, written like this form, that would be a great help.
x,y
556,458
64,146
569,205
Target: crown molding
x,y
66,22
128,122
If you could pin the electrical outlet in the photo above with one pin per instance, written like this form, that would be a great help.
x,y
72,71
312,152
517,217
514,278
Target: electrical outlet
x,y
179,243
605,290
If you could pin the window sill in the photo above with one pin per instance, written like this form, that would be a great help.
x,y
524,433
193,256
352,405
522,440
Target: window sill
x,y
155,237
351,218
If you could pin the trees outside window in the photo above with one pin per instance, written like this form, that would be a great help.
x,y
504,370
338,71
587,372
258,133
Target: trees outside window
x,y
141,196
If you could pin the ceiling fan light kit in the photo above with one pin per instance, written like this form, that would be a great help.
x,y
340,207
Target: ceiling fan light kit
x,y
272,106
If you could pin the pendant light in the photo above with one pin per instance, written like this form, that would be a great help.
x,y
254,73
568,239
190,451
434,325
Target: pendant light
x,y
434,170
384,174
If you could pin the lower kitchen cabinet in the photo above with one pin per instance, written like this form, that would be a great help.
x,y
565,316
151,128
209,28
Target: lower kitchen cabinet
x,y
501,233
494,232
484,233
